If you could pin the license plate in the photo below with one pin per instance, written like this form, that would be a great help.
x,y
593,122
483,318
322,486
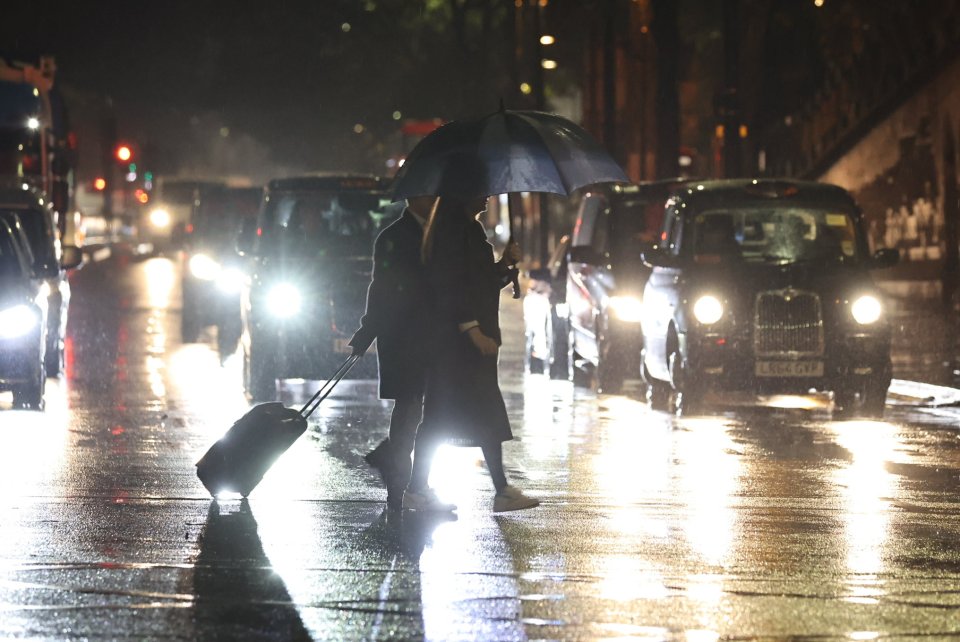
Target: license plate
x,y
789,369
342,346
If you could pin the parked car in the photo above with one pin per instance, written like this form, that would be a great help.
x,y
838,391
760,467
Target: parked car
x,y
545,315
764,286
23,322
31,210
606,277
311,263
212,273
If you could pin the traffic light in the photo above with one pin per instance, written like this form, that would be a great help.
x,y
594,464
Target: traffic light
x,y
123,153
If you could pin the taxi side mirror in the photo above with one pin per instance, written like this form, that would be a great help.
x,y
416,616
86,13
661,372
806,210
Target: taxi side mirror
x,y
885,258
71,258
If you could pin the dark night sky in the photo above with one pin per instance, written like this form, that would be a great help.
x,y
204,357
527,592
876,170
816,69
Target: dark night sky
x,y
285,75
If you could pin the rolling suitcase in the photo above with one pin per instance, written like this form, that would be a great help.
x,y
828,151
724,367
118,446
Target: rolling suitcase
x,y
240,459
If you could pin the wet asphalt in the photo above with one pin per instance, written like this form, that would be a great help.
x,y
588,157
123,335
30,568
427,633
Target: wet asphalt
x,y
757,523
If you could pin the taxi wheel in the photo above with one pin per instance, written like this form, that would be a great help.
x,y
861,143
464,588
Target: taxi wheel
x,y
54,361
31,395
189,326
610,369
579,376
258,375
867,400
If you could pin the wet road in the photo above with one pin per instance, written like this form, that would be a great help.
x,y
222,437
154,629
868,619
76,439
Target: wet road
x,y
759,523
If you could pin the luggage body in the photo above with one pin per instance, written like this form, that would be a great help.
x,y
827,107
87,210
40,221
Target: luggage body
x,y
239,460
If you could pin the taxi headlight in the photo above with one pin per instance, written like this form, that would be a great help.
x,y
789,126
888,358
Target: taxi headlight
x,y
866,310
17,321
159,217
708,309
203,267
626,308
230,280
284,300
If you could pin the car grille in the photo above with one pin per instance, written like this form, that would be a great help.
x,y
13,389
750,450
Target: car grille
x,y
788,323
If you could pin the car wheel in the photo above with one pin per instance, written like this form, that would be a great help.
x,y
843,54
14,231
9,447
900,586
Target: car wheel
x,y
659,393
867,400
610,369
259,378
579,376
534,365
558,346
687,396
189,325
30,395
53,362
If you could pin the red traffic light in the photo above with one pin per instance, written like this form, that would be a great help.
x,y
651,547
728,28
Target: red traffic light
x,y
123,153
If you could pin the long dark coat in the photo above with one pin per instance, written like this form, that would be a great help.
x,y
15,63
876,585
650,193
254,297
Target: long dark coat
x,y
463,403
398,311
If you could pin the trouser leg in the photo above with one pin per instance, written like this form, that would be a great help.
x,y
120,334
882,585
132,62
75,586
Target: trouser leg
x,y
424,450
493,455
406,416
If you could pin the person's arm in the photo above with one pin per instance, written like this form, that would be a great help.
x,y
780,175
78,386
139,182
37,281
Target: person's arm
x,y
382,284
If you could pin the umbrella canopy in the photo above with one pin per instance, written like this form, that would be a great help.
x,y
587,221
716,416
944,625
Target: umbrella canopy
x,y
507,151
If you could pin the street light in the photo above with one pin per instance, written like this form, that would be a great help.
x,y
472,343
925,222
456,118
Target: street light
x,y
123,153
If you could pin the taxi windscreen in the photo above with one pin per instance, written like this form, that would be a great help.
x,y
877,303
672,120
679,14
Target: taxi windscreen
x,y
781,235
323,223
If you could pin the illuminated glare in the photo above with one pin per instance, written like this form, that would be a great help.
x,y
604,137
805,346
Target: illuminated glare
x,y
99,184
284,300
525,88
626,308
33,123
203,267
345,27
16,321
866,310
358,128
708,309
547,63
160,218
547,40
397,115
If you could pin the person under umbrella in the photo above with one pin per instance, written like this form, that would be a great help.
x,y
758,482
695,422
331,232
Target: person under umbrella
x,y
463,405
398,316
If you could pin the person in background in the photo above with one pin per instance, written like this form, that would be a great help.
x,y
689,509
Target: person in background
x,y
398,316
463,405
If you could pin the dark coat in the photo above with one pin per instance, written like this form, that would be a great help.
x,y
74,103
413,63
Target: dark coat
x,y
463,403
398,310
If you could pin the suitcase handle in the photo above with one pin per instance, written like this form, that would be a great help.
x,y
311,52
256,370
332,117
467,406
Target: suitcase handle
x,y
328,385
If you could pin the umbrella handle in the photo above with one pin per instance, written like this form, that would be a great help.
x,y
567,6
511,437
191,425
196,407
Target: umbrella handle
x,y
515,279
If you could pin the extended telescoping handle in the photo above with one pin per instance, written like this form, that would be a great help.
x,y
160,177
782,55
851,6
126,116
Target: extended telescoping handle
x,y
328,386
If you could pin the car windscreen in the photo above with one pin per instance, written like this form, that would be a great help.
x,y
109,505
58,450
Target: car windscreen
x,y
38,235
178,193
322,223
774,235
635,225
220,214
9,261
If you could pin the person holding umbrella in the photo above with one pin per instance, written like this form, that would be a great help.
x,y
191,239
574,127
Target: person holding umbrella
x,y
463,405
398,316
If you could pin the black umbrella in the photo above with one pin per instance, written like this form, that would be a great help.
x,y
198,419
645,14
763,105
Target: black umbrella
x,y
506,152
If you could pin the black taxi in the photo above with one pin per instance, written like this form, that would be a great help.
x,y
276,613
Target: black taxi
x,y
311,257
764,286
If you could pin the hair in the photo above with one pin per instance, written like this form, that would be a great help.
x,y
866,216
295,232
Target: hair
x,y
429,231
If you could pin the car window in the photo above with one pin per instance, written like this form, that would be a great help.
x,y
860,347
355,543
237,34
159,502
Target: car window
x,y
320,223
35,225
600,239
779,235
583,231
671,236
9,258
635,225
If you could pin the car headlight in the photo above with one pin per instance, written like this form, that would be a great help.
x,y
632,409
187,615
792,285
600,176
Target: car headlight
x,y
203,267
159,217
708,309
230,280
866,310
626,308
284,300
17,321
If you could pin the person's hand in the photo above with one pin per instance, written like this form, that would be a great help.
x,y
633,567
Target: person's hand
x,y
487,346
512,253
360,343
